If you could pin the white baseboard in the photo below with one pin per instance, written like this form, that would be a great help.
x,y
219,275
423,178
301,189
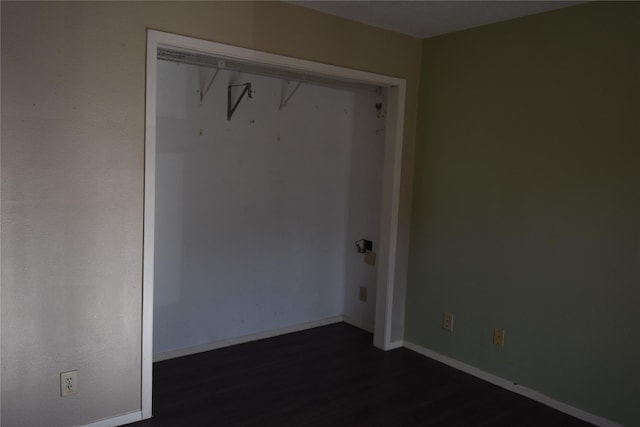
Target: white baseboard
x,y
172,354
394,345
509,385
117,421
358,324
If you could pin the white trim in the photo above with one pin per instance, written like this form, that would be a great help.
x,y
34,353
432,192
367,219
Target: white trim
x,y
511,386
174,41
0,223
117,421
389,218
395,344
180,352
391,176
149,222
358,324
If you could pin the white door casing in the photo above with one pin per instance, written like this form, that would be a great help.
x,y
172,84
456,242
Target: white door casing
x,y
390,190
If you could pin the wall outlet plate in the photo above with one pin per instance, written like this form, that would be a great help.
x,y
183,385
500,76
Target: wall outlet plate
x,y
447,321
68,383
370,257
362,294
498,337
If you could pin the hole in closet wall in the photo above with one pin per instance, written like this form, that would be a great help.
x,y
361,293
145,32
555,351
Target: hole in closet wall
x,y
256,216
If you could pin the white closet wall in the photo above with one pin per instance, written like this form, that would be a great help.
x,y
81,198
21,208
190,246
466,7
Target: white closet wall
x,y
367,148
256,217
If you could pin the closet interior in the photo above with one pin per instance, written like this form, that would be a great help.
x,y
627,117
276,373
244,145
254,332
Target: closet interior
x,y
267,200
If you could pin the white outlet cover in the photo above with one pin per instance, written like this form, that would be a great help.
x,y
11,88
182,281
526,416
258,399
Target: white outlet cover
x,y
68,383
447,321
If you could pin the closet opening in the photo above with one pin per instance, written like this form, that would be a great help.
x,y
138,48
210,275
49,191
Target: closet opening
x,y
271,198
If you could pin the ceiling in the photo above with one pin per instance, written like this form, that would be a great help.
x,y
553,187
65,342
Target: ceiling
x,y
425,19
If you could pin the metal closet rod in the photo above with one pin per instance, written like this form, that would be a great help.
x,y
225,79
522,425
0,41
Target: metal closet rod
x,y
202,60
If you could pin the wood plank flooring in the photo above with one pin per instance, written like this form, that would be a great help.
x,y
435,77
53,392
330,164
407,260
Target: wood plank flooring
x,y
331,376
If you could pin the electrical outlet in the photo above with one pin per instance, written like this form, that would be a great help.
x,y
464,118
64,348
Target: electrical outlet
x,y
68,383
447,321
362,294
498,337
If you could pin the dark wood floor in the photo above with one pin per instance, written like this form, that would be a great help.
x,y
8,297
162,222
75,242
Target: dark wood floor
x,y
331,376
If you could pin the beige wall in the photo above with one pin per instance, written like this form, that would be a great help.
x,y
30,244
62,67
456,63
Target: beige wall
x,y
73,93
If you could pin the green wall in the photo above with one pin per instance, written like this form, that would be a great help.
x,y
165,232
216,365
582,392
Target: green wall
x,y
526,209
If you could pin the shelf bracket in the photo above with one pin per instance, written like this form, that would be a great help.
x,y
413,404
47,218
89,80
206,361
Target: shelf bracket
x,y
203,93
247,90
286,101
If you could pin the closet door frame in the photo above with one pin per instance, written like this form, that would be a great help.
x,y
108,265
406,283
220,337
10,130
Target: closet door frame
x,y
387,284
